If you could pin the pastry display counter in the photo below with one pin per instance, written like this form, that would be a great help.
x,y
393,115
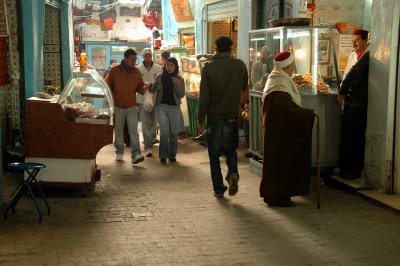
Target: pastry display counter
x,y
67,135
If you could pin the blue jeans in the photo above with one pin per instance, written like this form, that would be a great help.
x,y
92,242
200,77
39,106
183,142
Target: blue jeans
x,y
148,126
130,115
169,120
222,137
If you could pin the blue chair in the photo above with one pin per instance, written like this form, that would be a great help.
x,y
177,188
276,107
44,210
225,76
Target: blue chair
x,y
32,169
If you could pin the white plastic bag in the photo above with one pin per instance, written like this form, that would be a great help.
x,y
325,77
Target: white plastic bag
x,y
148,101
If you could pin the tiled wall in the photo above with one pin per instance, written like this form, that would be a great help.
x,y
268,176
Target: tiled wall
x,y
332,11
51,46
14,71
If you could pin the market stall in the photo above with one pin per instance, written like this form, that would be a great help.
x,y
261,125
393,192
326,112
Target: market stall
x,y
67,134
316,78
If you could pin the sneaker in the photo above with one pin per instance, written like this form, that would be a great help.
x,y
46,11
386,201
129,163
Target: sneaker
x,y
120,157
220,194
172,160
163,161
155,141
148,153
233,184
137,159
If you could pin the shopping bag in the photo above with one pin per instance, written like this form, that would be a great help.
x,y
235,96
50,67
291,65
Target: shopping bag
x,y
148,101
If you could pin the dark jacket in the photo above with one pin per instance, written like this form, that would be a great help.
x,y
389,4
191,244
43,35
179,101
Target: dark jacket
x,y
222,81
355,85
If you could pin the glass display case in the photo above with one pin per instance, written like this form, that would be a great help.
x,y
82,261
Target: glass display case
x,y
316,70
316,77
87,99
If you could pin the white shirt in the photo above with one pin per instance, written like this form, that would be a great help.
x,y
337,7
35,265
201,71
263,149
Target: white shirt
x,y
148,75
350,63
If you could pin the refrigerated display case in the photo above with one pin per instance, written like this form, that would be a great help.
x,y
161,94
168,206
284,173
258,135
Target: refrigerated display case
x,y
316,77
67,134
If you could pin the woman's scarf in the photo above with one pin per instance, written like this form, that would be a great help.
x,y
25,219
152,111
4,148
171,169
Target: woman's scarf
x,y
279,80
166,78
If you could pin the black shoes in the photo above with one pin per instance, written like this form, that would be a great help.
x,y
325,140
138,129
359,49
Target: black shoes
x,y
220,194
233,184
164,161
279,202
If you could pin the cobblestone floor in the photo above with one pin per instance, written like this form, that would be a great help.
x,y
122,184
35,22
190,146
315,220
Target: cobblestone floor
x,y
153,214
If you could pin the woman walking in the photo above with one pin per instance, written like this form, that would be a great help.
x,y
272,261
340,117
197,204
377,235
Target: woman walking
x,y
170,88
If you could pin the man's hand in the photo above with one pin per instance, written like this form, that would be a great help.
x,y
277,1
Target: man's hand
x,y
341,98
200,127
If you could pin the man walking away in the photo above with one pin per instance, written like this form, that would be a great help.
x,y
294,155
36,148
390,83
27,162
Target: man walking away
x,y
222,81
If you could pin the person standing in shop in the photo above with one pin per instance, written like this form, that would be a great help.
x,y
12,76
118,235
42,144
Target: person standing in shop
x,y
360,44
149,72
124,81
353,94
287,137
223,80
170,88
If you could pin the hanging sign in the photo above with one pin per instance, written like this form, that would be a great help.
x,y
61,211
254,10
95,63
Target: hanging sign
x,y
181,10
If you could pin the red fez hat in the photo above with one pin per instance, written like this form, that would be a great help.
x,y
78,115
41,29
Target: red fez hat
x,y
362,33
283,59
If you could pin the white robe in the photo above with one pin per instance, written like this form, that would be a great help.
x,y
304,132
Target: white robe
x,y
279,80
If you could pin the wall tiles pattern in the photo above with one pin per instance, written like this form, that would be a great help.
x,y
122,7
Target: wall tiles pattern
x,y
51,46
330,12
12,106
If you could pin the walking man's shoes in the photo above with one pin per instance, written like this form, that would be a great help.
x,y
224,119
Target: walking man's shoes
x,y
220,194
233,184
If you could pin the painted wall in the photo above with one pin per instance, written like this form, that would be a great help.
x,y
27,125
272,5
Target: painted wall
x,y
382,79
67,41
245,25
33,25
200,24
171,27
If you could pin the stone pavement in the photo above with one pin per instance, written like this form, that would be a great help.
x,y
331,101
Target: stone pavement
x,y
153,214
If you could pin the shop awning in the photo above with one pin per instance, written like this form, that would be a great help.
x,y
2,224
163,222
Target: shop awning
x,y
221,10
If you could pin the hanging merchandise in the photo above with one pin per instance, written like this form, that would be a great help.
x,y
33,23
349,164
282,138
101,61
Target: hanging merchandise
x,y
150,20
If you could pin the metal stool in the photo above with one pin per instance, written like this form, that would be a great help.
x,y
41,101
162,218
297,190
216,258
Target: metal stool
x,y
32,169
